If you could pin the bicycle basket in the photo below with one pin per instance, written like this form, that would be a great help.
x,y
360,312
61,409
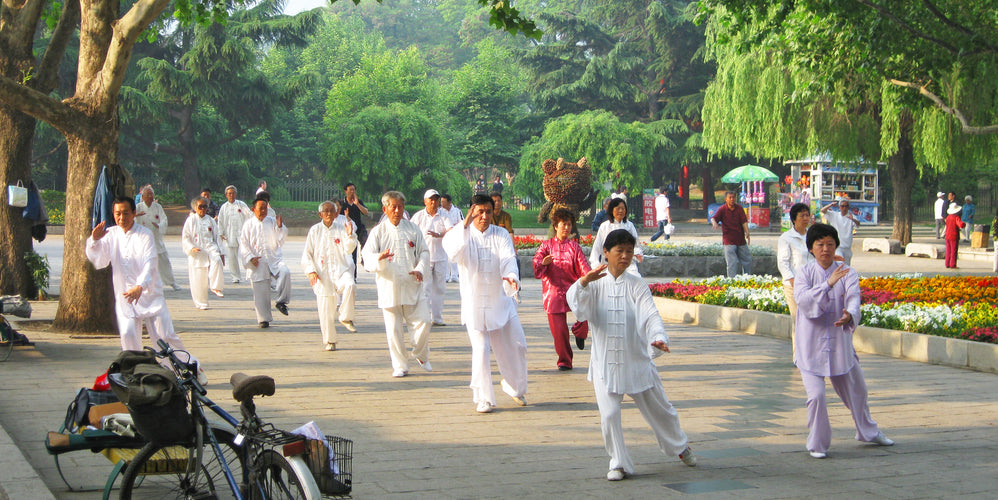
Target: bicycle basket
x,y
331,464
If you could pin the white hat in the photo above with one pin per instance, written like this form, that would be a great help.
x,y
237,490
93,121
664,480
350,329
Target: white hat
x,y
940,194
430,193
953,208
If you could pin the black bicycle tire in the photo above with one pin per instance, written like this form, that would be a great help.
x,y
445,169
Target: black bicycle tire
x,y
272,480
175,484
6,339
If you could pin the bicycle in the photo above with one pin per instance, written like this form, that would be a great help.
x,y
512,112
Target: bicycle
x,y
6,338
237,459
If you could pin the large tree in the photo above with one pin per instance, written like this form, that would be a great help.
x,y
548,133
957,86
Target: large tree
x,y
18,63
800,77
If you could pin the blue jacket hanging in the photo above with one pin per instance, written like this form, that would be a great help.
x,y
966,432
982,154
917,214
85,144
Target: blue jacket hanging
x,y
103,200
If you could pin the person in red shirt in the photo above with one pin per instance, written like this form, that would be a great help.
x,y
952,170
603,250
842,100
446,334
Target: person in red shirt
x,y
734,235
558,263
953,227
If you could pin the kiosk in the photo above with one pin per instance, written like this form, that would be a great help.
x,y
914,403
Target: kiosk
x,y
821,180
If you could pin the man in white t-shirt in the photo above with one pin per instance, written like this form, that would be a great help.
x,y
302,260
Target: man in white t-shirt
x,y
844,222
940,213
662,214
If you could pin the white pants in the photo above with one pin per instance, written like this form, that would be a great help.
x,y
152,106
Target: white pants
x,y
204,278
159,327
232,263
346,289
261,293
166,270
851,387
417,318
510,347
453,274
788,292
656,410
434,288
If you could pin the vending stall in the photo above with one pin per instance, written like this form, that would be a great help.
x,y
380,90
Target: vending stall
x,y
822,180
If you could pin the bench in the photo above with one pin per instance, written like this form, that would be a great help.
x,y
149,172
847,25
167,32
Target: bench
x,y
882,245
930,250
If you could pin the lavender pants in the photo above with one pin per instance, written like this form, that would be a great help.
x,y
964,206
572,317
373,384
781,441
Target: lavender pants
x,y
851,387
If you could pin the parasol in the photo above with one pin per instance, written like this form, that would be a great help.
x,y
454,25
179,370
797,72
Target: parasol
x,y
747,173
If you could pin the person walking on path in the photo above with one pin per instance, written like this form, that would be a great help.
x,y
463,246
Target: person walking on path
x,y
397,255
150,215
260,245
734,235
205,253
969,211
627,335
662,214
558,263
617,210
939,209
231,217
844,222
827,295
487,259
356,210
434,224
953,227
130,250
792,254
327,263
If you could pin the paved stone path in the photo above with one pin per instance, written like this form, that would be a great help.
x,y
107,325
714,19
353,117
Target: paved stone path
x,y
739,399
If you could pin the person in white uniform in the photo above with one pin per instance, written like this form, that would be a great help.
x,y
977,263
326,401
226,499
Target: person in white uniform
x,y
454,214
129,249
792,254
627,334
486,259
397,255
328,263
844,222
260,245
231,216
150,215
205,253
616,219
434,224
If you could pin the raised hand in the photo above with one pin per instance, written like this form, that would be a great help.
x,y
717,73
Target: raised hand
x,y
839,273
99,231
593,275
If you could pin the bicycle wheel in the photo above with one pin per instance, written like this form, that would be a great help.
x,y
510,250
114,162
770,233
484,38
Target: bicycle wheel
x,y
168,471
6,339
278,479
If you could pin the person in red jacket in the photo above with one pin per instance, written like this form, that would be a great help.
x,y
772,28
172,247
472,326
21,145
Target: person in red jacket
x,y
953,227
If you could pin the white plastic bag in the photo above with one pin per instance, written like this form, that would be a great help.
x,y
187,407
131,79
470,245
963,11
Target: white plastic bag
x,y
669,229
17,196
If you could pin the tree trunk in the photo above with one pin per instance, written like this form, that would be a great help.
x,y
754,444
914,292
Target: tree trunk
x,y
188,154
708,186
904,173
15,231
86,298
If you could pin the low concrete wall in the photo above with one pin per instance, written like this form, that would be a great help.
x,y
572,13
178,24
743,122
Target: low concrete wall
x,y
693,267
931,349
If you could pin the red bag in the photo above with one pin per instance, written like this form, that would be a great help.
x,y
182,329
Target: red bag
x,y
101,384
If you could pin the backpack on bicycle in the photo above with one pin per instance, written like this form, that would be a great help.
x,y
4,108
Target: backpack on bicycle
x,y
150,391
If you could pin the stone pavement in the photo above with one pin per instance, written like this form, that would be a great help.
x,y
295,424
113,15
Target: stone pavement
x,y
738,396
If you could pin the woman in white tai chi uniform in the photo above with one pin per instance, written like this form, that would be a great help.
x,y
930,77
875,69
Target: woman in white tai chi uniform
x,y
616,219
205,253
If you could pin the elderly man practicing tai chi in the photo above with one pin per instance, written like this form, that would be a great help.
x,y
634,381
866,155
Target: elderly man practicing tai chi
x,y
486,258
328,263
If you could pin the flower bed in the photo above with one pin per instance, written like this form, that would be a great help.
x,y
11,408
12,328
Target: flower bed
x,y
957,307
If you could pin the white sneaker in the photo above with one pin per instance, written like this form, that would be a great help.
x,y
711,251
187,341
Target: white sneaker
x,y
688,457
520,400
218,293
176,287
349,326
331,346
615,475
425,364
818,454
399,373
882,440
484,407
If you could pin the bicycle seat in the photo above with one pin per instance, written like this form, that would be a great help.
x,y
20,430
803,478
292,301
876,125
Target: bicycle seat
x,y
245,387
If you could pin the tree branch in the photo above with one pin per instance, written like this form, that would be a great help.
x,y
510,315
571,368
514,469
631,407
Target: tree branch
x,y
48,70
957,26
967,128
126,32
907,27
40,106
240,133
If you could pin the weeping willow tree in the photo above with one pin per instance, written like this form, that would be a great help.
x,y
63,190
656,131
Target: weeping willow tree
x,y
802,77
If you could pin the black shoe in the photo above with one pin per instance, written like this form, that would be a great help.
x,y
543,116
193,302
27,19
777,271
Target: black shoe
x,y
281,306
563,368
580,343
264,324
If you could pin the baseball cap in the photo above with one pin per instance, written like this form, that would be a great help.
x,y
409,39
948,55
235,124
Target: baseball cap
x,y
430,193
940,194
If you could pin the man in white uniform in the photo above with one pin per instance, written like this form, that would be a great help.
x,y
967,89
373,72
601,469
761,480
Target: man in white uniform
x,y
843,221
397,255
150,215
129,249
792,254
328,263
260,245
486,258
205,254
434,224
455,216
662,214
231,216
940,212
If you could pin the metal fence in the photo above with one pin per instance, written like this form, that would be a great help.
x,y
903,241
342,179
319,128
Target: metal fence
x,y
985,202
308,190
